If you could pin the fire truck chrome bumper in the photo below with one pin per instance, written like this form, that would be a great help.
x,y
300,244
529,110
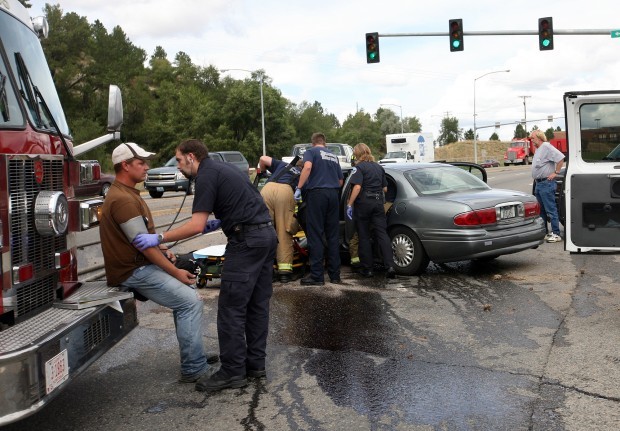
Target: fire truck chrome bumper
x,y
79,335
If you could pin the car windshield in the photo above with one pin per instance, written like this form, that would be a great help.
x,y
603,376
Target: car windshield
x,y
171,162
396,155
443,179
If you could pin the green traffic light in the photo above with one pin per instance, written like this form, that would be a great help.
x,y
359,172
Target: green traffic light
x,y
546,42
372,55
456,44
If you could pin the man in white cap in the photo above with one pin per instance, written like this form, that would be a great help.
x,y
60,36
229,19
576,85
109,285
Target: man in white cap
x,y
149,273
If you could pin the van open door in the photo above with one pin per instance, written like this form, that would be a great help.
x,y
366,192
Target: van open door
x,y
592,183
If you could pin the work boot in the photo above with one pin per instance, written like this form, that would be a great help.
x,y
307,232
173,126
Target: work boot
x,y
367,273
207,372
309,281
285,277
256,374
219,381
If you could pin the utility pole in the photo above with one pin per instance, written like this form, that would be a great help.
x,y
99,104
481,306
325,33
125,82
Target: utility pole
x,y
525,114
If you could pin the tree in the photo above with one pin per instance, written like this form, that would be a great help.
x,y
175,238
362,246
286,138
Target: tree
x,y
520,132
449,131
549,133
494,137
413,124
469,135
360,127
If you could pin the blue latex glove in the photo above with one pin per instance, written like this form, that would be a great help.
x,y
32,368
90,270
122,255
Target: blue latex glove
x,y
297,195
145,240
212,225
350,212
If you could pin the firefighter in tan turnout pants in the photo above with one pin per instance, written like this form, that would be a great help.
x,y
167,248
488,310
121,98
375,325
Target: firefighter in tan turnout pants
x,y
278,196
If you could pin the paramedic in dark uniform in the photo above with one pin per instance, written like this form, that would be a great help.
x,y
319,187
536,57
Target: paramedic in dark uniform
x,y
247,273
366,207
321,179
278,196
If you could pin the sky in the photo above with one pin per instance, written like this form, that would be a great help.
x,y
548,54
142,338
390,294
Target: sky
x,y
315,51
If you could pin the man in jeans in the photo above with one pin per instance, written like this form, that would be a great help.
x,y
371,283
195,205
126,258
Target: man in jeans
x,y
546,165
149,273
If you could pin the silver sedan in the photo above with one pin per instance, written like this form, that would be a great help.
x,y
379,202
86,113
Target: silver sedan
x,y
447,213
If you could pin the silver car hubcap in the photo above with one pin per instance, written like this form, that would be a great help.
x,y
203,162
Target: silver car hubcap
x,y
403,249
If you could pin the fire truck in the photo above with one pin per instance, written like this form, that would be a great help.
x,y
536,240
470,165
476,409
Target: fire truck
x,y
52,325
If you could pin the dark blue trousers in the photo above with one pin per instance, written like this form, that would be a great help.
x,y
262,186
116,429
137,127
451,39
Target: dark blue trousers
x,y
322,221
243,306
366,214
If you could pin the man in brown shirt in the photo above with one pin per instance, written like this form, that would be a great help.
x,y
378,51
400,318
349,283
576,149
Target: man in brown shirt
x,y
149,273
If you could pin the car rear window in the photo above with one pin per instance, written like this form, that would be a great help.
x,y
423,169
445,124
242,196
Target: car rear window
x,y
233,157
430,181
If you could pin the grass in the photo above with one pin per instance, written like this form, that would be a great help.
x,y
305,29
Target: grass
x,y
463,151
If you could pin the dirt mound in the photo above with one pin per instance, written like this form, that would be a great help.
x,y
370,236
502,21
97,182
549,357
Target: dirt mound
x,y
463,151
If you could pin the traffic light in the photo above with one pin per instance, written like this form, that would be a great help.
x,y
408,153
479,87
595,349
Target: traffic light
x,y
456,35
372,47
545,33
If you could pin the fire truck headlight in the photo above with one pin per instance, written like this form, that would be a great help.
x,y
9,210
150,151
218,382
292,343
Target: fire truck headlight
x,y
51,213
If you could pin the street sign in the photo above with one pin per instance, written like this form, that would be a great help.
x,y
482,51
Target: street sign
x,y
615,33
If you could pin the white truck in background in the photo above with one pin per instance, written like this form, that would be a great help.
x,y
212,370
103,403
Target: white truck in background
x,y
409,148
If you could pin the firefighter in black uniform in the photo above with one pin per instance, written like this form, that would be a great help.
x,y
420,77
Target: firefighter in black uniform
x,y
365,206
247,274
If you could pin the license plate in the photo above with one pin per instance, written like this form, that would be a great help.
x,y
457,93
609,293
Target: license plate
x,y
507,212
56,371
160,189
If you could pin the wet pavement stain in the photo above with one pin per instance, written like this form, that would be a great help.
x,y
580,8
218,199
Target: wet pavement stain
x,y
368,356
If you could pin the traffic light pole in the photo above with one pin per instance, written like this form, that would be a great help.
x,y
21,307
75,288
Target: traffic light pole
x,y
581,32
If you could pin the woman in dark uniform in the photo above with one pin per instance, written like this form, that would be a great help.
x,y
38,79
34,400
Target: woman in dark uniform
x,y
365,206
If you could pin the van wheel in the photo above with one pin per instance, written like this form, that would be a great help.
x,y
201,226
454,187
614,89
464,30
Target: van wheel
x,y
155,195
410,258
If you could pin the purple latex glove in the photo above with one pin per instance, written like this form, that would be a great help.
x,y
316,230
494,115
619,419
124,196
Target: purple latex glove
x,y
212,225
145,240
350,212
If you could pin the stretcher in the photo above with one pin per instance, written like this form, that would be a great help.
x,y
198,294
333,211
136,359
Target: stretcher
x,y
208,263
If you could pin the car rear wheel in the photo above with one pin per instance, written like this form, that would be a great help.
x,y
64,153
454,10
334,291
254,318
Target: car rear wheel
x,y
155,195
410,258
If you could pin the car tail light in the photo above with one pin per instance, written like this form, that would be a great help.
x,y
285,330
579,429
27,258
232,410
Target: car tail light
x,y
532,209
477,217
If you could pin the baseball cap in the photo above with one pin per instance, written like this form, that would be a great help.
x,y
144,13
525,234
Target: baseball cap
x,y
130,150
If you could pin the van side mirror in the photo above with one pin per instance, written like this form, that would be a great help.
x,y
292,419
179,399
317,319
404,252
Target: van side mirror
x,y
115,109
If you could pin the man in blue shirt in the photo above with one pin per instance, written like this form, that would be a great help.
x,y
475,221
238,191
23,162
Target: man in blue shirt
x,y
321,179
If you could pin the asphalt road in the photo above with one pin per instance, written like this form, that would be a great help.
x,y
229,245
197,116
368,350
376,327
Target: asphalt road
x,y
525,342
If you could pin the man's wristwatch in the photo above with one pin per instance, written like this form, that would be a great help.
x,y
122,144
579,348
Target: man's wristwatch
x,y
160,237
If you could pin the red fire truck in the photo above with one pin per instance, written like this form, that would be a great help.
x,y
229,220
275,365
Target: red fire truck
x,y
52,325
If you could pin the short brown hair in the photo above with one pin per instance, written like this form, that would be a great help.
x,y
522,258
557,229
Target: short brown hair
x,y
194,146
316,136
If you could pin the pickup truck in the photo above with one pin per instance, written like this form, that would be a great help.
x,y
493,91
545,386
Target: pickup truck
x,y
344,152
168,178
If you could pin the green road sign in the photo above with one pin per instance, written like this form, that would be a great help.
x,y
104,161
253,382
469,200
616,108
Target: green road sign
x,y
615,33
